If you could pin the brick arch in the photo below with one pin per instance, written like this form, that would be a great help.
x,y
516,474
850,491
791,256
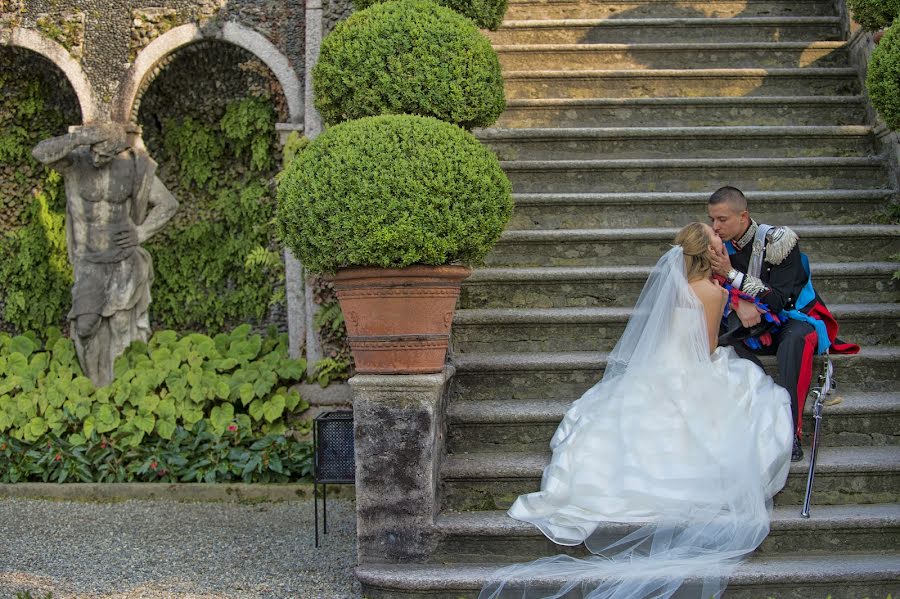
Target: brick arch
x,y
146,65
34,41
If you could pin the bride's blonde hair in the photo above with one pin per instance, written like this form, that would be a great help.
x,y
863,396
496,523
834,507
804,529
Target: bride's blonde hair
x,y
694,241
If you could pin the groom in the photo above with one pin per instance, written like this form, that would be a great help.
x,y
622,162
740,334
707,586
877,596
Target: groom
x,y
765,263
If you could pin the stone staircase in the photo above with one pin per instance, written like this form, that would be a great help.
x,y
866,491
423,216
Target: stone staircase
x,y
623,116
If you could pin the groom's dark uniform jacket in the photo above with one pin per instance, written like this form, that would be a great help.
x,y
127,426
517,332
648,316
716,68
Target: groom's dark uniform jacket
x,y
782,285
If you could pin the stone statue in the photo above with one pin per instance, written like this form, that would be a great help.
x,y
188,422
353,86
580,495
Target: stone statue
x,y
114,202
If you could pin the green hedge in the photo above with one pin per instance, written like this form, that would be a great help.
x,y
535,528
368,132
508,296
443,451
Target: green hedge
x,y
228,394
883,77
487,14
874,14
409,57
392,191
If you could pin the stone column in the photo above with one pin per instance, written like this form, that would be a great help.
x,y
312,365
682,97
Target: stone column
x,y
399,434
312,126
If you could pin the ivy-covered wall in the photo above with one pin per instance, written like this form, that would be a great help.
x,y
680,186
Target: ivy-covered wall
x,y
36,102
209,121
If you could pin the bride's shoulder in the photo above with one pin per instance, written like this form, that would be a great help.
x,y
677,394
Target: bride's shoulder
x,y
707,290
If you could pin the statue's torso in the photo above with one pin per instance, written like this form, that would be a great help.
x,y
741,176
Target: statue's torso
x,y
99,202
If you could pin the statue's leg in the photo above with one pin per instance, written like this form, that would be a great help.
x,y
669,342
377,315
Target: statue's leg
x,y
92,339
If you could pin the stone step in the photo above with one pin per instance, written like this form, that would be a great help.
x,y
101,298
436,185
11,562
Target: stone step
x,y
505,425
839,576
684,112
492,536
597,211
677,174
646,83
598,329
665,30
598,9
610,286
844,475
684,142
561,375
622,247
582,57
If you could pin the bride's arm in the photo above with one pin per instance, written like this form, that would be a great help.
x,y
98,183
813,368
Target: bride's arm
x,y
713,298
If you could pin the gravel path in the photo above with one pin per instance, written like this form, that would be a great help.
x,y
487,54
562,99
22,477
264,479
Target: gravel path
x,y
160,549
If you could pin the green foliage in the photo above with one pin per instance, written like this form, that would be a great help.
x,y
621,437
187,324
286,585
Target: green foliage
x,y
883,77
33,260
328,370
221,269
487,14
392,191
34,264
230,382
294,144
874,14
198,455
409,57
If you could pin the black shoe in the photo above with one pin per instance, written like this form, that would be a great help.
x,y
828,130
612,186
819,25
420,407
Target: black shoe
x,y
797,453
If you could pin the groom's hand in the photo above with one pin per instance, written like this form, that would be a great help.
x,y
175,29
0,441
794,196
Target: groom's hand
x,y
748,313
721,263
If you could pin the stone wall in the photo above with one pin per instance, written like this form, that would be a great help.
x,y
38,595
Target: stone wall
x,y
105,36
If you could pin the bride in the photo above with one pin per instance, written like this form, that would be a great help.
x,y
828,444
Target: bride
x,y
681,445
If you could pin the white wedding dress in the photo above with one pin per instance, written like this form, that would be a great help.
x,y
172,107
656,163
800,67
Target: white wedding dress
x,y
665,469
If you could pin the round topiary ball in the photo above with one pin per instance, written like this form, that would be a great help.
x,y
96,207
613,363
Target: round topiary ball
x,y
409,57
883,78
874,14
392,191
487,14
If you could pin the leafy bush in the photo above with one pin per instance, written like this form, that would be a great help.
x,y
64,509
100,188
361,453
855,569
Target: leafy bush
x,y
487,14
409,57
198,455
883,78
392,191
874,14
231,380
190,408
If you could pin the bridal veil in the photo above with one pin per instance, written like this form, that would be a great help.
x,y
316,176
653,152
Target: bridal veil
x,y
665,469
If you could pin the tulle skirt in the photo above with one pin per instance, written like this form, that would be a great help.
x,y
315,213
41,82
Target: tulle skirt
x,y
686,456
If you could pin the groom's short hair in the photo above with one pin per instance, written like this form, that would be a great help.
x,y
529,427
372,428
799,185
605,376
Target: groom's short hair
x,y
732,195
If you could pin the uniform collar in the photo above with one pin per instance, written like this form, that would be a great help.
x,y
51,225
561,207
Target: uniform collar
x,y
747,238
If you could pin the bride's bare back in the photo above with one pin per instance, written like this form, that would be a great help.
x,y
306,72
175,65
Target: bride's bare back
x,y
713,298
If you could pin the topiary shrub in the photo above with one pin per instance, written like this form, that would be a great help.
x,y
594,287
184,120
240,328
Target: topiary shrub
x,y
409,57
883,78
392,191
487,14
874,14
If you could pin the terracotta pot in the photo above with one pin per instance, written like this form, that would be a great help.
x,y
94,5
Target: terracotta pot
x,y
876,37
398,319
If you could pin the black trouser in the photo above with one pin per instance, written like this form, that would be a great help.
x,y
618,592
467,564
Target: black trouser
x,y
788,345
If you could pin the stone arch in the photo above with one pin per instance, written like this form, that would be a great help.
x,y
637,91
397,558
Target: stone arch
x,y
59,56
146,65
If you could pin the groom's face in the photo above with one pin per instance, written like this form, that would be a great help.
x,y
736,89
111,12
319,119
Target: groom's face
x,y
727,222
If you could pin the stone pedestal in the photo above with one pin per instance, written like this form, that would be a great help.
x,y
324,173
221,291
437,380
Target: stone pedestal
x,y
399,434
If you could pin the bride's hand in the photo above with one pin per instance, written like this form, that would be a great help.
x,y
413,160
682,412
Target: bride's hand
x,y
748,313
